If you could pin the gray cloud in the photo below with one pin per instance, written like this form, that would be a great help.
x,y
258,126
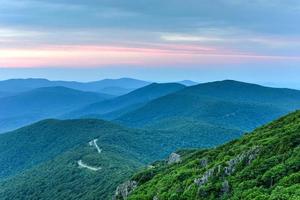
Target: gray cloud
x,y
277,17
259,26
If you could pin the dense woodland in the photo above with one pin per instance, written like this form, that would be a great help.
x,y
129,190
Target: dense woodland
x,y
261,165
82,155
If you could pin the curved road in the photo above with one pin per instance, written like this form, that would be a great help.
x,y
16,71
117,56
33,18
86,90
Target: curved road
x,y
83,165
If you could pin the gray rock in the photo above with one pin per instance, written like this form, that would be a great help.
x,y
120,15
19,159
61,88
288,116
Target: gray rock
x,y
248,156
203,162
155,198
151,167
225,187
219,168
205,177
252,155
124,190
174,158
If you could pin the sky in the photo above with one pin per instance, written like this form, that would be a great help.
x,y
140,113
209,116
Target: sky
x,y
250,40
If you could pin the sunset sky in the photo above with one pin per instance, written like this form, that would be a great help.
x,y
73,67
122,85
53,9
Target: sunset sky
x,y
251,40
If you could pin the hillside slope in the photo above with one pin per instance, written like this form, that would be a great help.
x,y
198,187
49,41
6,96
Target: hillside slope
x,y
261,165
133,100
28,107
4,94
230,90
68,165
28,146
241,105
46,159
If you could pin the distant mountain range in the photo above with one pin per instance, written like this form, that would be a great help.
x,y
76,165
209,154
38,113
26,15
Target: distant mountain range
x,y
30,100
115,107
188,83
113,87
219,103
108,86
28,107
244,106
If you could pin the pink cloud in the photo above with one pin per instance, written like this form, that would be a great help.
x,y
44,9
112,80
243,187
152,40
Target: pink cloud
x,y
97,56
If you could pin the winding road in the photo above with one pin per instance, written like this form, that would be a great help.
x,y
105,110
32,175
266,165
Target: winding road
x,y
94,143
84,165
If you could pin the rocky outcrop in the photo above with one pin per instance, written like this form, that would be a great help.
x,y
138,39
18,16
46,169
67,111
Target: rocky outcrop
x,y
204,179
150,167
174,158
225,187
203,162
247,156
219,169
124,190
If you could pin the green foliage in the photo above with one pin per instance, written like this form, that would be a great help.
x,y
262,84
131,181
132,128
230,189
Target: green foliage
x,y
41,161
266,166
61,178
44,140
46,154
190,132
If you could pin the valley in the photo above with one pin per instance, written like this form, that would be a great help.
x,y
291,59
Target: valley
x,y
93,156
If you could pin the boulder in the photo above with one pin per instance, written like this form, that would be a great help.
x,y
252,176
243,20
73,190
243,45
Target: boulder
x,y
155,198
203,162
124,190
247,156
174,158
204,179
225,187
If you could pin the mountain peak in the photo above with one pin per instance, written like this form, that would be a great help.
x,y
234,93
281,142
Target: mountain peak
x,y
188,82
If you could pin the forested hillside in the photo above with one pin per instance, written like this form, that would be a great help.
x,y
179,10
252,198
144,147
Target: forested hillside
x,y
115,107
88,158
46,159
223,103
261,165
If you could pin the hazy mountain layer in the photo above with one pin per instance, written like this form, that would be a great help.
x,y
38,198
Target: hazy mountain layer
x,y
108,86
114,107
28,107
226,103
